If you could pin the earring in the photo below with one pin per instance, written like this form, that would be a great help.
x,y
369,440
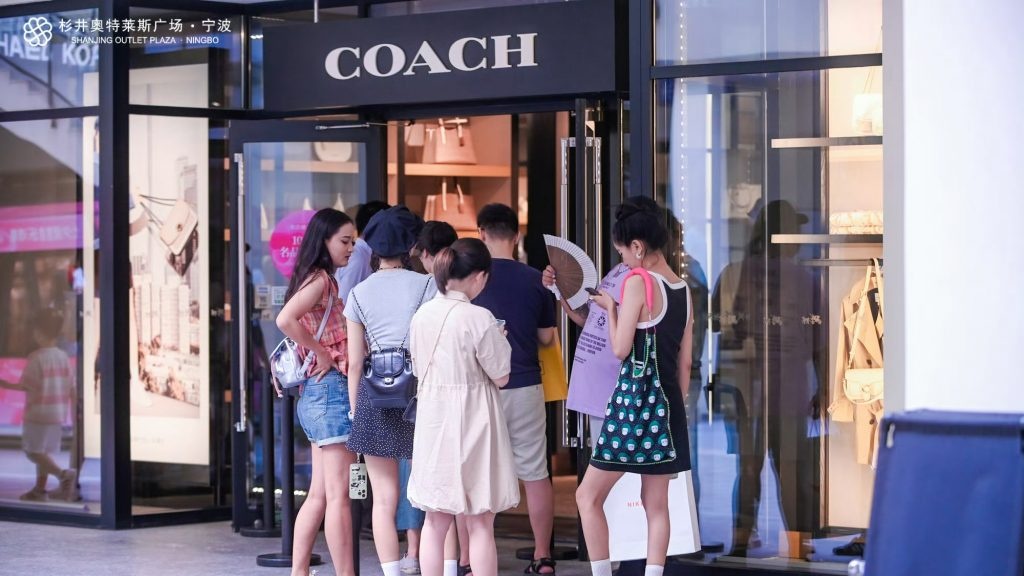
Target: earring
x,y
639,256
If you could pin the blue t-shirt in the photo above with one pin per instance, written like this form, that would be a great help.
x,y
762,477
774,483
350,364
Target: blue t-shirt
x,y
515,294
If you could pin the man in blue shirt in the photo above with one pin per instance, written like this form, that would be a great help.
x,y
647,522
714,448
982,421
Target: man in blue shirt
x,y
515,294
358,267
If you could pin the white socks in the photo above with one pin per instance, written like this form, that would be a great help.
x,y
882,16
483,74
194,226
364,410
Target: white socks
x,y
390,569
653,570
601,568
451,568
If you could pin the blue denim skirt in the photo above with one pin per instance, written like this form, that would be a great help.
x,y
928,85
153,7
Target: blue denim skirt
x,y
323,409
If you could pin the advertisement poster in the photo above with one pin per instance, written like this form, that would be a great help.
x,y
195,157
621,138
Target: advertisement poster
x,y
168,298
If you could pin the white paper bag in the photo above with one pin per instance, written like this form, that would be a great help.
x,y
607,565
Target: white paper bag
x,y
627,521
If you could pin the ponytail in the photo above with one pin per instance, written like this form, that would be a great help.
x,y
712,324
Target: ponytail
x,y
457,262
443,264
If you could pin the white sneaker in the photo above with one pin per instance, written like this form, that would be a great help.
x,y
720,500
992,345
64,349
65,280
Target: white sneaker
x,y
409,565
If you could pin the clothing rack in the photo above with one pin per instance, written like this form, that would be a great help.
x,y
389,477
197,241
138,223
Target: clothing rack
x,y
830,262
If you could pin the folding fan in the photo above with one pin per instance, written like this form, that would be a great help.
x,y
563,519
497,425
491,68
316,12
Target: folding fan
x,y
574,270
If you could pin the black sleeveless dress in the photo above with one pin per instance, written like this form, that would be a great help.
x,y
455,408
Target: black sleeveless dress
x,y
675,458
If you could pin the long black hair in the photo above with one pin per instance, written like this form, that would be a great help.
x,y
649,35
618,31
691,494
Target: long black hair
x,y
458,261
313,255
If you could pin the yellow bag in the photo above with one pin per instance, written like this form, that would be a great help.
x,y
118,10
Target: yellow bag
x,y
552,371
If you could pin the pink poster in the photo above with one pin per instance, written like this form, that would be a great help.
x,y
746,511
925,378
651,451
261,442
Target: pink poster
x,y
286,238
41,227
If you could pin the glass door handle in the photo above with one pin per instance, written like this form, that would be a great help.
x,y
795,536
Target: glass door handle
x,y
593,144
243,326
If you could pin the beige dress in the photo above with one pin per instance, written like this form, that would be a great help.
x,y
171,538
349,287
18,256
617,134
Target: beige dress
x,y
461,457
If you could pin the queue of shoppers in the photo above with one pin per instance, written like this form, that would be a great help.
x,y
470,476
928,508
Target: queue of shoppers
x,y
434,381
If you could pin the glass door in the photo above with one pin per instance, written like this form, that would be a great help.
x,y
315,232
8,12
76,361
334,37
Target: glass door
x,y
591,179
285,172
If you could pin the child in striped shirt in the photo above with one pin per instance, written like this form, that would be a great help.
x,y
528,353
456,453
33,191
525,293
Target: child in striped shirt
x,y
49,387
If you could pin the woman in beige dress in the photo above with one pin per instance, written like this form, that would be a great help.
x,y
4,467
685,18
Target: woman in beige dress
x,y
461,458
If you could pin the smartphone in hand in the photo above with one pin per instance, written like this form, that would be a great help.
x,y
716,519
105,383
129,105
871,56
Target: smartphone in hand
x,y
592,291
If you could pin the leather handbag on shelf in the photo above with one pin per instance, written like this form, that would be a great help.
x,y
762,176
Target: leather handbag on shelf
x,y
865,385
415,139
454,142
429,147
457,209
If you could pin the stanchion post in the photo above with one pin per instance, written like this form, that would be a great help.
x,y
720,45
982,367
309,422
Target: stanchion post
x,y
284,558
269,528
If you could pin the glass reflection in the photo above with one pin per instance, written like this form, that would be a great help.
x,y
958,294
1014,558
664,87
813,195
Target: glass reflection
x,y
49,431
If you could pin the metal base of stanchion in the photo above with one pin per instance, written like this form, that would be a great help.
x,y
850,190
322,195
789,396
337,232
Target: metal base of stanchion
x,y
260,532
557,553
279,560
712,547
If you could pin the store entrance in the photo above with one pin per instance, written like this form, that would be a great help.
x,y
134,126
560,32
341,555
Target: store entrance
x,y
283,172
288,169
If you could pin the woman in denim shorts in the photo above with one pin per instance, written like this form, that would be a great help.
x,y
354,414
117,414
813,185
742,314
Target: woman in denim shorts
x,y
323,406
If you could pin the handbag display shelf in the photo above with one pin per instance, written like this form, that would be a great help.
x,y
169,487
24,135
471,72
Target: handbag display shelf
x,y
949,496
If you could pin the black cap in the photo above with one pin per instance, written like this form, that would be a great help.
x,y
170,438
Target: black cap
x,y
392,232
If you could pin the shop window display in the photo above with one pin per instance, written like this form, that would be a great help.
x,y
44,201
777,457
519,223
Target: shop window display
x,y
776,181
47,202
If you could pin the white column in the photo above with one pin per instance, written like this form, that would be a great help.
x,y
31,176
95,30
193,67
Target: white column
x,y
954,222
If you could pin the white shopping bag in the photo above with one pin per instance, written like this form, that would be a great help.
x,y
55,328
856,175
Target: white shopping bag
x,y
627,521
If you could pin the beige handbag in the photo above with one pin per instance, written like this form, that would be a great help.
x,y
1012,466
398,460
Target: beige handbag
x,y
865,385
457,209
429,148
415,139
454,142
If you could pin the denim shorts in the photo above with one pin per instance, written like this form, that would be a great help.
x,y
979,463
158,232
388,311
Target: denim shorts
x,y
323,409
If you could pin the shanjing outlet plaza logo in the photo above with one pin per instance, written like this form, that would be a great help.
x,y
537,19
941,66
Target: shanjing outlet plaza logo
x,y
38,31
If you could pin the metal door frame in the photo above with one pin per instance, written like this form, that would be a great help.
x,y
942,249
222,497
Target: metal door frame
x,y
245,132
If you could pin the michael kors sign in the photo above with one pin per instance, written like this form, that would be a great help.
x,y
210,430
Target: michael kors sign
x,y
557,49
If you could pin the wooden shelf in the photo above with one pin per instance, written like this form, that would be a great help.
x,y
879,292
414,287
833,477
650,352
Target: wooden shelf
x,y
826,142
464,170
826,238
270,165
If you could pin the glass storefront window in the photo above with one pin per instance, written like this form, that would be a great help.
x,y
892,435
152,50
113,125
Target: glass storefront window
x,y
41,65
49,320
701,31
187,59
776,181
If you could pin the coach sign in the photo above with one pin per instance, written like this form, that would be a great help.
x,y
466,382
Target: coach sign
x,y
534,50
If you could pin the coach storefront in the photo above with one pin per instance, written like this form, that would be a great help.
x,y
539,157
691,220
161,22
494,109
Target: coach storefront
x,y
159,163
